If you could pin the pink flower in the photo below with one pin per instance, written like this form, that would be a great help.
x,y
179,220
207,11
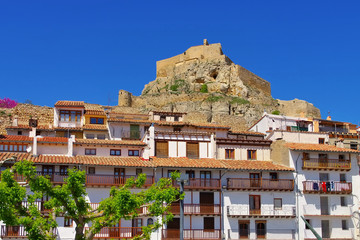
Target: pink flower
x,y
7,103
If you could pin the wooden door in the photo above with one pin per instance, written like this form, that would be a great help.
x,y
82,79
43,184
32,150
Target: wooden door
x,y
137,224
119,175
323,160
255,204
173,228
260,229
325,229
255,180
207,202
244,229
48,170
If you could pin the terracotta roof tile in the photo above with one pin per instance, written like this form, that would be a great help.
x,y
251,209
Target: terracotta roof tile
x,y
188,163
76,129
110,142
318,148
40,127
70,104
95,127
95,112
248,133
15,138
254,165
126,120
52,140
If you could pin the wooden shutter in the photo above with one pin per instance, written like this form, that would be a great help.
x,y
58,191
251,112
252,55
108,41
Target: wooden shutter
x,y
162,149
192,150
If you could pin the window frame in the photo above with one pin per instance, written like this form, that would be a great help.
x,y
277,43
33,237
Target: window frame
x,y
230,153
252,154
68,222
132,151
280,201
115,151
90,151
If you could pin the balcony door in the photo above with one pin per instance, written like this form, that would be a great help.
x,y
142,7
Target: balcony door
x,y
134,132
325,229
137,224
255,180
324,205
206,202
115,231
48,170
323,160
119,175
205,177
173,229
255,204
244,229
260,229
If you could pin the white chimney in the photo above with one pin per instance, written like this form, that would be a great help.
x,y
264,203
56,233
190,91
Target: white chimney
x,y
34,148
151,143
71,141
15,121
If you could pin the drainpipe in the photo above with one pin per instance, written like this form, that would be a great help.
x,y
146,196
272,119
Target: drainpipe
x,y
297,197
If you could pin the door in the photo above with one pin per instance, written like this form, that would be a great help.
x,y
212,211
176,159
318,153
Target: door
x,y
244,229
255,204
134,132
260,229
205,177
173,229
136,230
325,229
324,205
323,160
255,181
206,202
119,175
48,170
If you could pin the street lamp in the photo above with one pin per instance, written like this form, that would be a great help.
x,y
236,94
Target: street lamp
x,y
184,179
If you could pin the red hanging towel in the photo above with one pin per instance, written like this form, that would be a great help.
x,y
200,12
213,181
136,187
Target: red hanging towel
x,y
324,186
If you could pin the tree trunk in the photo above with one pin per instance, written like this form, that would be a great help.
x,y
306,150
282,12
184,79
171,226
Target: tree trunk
x,y
79,233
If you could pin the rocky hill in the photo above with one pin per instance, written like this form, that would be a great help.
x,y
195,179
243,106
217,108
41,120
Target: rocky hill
x,y
201,81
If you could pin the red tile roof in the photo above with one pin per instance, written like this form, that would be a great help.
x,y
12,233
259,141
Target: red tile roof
x,y
110,142
247,133
15,138
74,129
70,104
95,112
254,165
183,162
52,140
95,127
318,148
40,127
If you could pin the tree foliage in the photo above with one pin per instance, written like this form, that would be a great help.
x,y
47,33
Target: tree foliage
x,y
69,200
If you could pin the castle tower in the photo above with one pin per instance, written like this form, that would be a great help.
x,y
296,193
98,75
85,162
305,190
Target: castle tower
x,y
124,99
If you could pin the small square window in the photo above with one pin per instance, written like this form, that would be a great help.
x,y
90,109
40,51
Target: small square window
x,y
277,203
176,119
19,132
90,136
229,154
251,154
115,152
91,170
344,224
133,153
273,176
321,140
162,118
101,136
90,151
68,222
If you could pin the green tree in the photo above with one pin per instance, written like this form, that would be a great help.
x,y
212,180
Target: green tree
x,y
69,200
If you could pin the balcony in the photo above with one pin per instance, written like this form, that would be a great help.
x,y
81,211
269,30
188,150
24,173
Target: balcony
x,y
13,232
247,184
39,204
197,209
330,187
264,212
203,184
113,180
195,234
118,232
329,211
327,164
141,211
250,233
69,124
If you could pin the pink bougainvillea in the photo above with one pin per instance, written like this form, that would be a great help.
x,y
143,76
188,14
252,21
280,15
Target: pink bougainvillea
x,y
7,103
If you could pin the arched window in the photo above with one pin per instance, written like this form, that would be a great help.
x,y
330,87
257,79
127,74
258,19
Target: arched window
x,y
150,221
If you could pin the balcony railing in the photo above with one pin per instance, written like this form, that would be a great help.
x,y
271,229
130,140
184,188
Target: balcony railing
x,y
260,184
16,232
118,232
55,177
334,210
263,211
197,209
275,234
39,204
329,187
172,234
141,211
329,164
113,180
202,183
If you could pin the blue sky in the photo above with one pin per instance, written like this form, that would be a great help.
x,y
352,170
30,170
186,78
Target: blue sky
x,y
88,50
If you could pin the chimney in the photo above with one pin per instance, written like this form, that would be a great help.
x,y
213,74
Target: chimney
x,y
32,133
71,141
340,143
206,42
152,140
35,151
15,121
328,118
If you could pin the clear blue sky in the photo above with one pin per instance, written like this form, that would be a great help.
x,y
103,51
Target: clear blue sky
x,y
88,50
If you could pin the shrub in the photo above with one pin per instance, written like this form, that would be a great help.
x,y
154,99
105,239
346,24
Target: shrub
x,y
214,98
238,100
204,88
275,112
8,103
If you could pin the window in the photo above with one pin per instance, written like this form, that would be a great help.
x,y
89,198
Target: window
x,y
91,170
138,171
177,129
190,174
341,157
94,120
229,154
37,133
162,149
251,154
192,150
321,140
90,136
68,222
277,203
209,223
344,225
306,156
353,146
309,221
273,176
70,116
101,136
162,118
205,174
133,153
150,221
342,177
4,147
90,151
115,152
63,170
343,201
176,118
19,132
323,156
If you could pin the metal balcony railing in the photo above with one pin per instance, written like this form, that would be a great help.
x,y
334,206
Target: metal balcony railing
x,y
329,187
264,211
